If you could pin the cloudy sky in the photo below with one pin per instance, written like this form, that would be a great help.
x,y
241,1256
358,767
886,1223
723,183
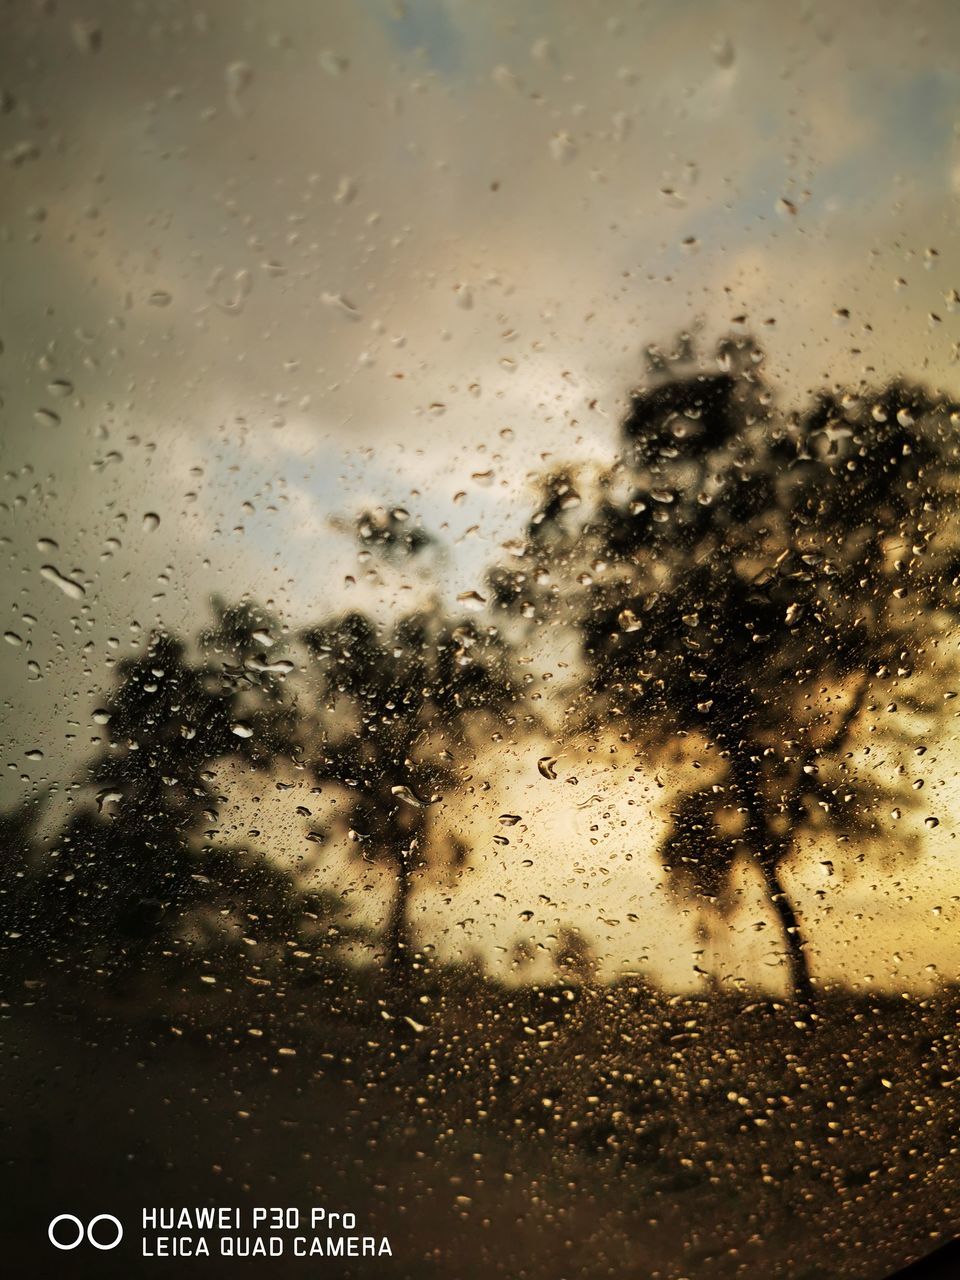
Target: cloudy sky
x,y
264,264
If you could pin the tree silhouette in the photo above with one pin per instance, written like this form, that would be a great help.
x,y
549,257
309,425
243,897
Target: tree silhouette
x,y
755,583
573,956
129,872
398,718
247,666
123,868
390,534
19,842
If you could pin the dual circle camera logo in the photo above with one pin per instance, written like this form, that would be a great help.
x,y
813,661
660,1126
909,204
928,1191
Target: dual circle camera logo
x,y
66,1231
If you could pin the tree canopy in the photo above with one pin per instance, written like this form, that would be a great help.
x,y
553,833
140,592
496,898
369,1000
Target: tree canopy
x,y
757,581
396,719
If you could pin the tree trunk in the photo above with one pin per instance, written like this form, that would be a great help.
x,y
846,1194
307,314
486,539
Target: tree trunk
x,y
801,984
770,851
398,928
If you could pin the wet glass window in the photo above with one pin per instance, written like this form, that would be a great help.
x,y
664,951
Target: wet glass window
x,y
480,517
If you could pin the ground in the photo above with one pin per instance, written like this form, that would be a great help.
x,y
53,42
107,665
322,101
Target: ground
x,y
561,1134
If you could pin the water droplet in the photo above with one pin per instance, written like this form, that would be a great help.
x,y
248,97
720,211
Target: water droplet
x,y
241,730
672,197
67,585
46,418
151,521
334,64
562,147
87,36
547,766
346,190
21,152
472,600
34,754
231,301
724,54
238,77
282,667
337,302
408,797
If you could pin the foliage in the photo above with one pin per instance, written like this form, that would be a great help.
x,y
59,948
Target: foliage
x,y
137,871
397,719
756,581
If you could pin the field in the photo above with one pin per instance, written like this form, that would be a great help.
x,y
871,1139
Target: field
x,y
551,1134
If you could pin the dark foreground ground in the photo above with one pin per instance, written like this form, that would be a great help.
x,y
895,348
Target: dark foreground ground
x,y
553,1135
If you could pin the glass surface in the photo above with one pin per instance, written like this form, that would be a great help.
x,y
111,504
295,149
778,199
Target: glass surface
x,y
481,596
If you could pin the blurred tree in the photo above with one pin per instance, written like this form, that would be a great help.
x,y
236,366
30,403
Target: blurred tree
x,y
398,716
758,584
136,869
123,869
19,846
574,957
247,665
392,535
